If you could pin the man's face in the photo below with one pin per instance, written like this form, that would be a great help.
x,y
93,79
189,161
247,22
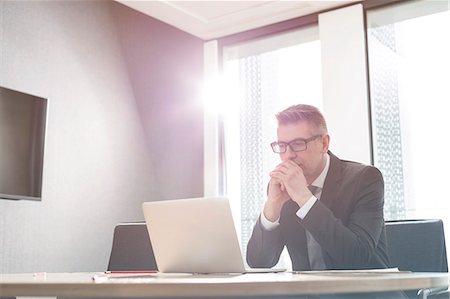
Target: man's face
x,y
311,160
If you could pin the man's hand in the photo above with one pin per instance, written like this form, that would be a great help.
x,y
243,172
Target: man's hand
x,y
277,196
291,181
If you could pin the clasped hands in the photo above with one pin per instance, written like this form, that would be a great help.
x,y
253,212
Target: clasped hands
x,y
287,181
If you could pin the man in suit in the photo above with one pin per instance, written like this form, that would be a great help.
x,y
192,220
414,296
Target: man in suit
x,y
327,212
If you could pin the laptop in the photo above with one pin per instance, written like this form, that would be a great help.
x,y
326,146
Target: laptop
x,y
195,235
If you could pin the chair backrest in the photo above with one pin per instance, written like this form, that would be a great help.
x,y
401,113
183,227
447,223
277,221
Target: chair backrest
x,y
131,248
417,245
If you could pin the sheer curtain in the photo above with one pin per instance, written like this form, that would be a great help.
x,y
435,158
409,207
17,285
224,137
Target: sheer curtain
x,y
265,77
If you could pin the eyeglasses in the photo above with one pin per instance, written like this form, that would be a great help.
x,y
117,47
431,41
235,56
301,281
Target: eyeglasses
x,y
296,145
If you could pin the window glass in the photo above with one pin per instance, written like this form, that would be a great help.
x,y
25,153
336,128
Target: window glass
x,y
262,78
409,63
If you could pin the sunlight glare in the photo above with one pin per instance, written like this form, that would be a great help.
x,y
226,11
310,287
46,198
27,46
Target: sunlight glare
x,y
219,96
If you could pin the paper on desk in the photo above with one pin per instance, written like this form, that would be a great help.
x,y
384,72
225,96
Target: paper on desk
x,y
351,272
360,271
134,277
107,277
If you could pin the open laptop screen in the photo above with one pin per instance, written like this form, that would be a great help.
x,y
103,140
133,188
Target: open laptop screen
x,y
195,235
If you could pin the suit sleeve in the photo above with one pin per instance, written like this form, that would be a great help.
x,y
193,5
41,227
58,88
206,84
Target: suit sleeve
x,y
351,245
264,247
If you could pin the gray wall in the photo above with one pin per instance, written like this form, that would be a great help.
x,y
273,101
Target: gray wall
x,y
123,127
166,71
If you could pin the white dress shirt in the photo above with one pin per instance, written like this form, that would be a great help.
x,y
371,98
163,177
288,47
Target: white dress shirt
x,y
303,211
315,256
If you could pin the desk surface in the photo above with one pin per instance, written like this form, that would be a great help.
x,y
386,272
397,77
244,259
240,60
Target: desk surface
x,y
82,285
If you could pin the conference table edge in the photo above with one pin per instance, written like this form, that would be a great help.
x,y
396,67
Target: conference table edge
x,y
280,286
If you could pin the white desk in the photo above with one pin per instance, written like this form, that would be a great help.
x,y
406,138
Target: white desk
x,y
276,284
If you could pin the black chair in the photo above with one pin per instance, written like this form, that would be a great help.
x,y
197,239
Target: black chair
x,y
131,248
418,246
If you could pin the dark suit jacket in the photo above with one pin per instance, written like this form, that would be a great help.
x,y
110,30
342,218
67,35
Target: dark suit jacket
x,y
347,222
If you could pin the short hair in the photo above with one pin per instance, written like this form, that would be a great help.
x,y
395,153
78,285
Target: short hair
x,y
302,112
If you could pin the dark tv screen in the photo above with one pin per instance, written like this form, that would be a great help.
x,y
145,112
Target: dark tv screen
x,y
22,137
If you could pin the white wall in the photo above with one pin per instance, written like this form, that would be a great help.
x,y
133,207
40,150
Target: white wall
x,y
344,81
211,170
98,168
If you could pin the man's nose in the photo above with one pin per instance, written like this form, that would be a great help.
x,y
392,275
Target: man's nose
x,y
290,154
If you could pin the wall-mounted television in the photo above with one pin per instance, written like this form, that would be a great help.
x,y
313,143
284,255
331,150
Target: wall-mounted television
x,y
22,138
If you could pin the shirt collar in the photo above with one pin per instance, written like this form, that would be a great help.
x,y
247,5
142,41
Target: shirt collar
x,y
320,180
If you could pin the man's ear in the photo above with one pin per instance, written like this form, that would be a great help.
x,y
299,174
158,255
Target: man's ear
x,y
325,143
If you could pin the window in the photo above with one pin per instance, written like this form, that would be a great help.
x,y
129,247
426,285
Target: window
x,y
409,65
262,78
409,62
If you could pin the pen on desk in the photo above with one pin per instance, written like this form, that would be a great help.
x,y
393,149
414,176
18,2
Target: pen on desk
x,y
39,274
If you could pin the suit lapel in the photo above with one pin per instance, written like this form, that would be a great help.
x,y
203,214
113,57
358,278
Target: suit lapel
x,y
332,181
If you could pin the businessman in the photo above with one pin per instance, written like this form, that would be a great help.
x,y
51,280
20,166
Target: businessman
x,y
327,212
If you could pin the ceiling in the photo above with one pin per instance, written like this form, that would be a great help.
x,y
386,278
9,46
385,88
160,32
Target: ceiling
x,y
214,19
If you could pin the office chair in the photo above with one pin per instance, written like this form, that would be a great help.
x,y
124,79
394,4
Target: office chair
x,y
418,246
131,248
